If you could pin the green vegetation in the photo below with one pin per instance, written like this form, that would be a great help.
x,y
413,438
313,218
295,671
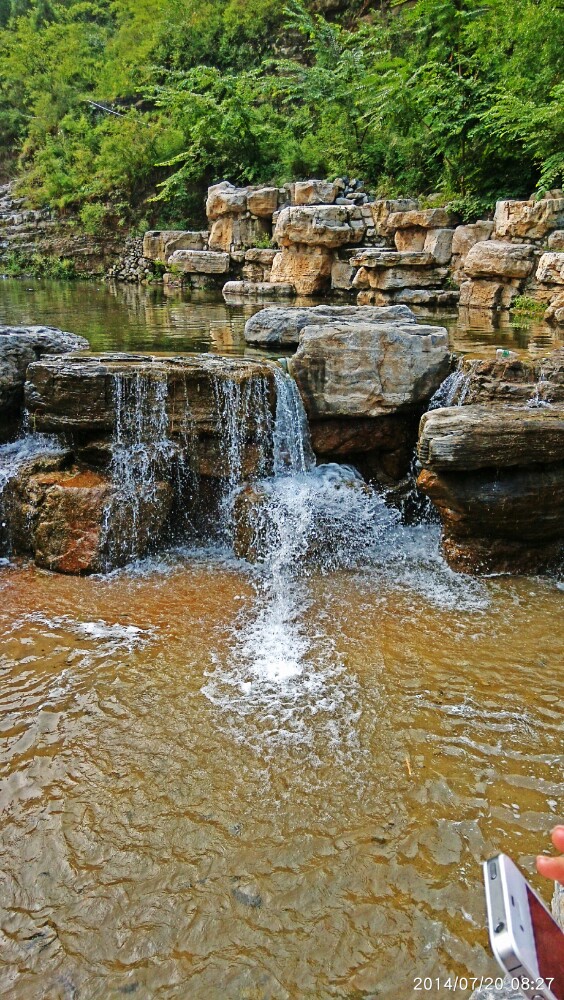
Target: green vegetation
x,y
36,265
525,307
461,97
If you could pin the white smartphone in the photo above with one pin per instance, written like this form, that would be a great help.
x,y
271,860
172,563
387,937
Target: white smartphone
x,y
526,940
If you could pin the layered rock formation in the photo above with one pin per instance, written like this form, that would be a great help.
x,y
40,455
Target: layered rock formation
x,y
19,347
379,252
494,466
365,374
152,446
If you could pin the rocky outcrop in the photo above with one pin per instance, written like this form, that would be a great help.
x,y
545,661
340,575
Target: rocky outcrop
x,y
199,262
368,369
529,220
158,245
283,326
494,466
19,347
151,446
495,274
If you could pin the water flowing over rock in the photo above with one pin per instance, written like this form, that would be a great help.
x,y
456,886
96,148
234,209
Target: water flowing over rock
x,y
493,465
156,450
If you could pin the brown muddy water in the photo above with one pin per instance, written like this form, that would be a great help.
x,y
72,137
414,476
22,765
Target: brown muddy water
x,y
225,783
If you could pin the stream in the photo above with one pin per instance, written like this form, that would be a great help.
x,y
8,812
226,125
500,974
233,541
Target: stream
x,y
220,780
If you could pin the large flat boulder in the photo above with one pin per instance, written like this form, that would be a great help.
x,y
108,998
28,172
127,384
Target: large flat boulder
x,y
19,347
430,218
328,226
531,220
381,259
83,394
199,262
283,326
464,438
368,369
493,258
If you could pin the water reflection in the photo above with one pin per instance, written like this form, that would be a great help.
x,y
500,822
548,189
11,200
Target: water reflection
x,y
132,318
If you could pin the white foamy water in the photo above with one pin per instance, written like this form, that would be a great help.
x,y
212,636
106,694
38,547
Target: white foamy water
x,y
15,453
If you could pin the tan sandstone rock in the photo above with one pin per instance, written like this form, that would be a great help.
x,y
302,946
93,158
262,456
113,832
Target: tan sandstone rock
x,y
368,369
556,240
306,268
231,232
530,220
430,218
225,199
263,202
159,245
410,239
327,226
555,312
464,237
315,192
550,268
488,295
496,259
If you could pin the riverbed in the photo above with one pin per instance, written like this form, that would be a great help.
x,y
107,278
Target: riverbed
x,y
220,781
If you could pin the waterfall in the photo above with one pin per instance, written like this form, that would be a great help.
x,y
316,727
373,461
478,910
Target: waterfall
x,y
454,389
536,401
13,456
292,443
141,455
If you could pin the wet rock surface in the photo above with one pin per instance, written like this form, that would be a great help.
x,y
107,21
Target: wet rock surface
x,y
153,444
19,347
493,466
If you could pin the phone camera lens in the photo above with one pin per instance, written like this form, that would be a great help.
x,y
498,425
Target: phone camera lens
x,y
499,927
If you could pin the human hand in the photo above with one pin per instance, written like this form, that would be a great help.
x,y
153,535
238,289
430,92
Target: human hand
x,y
553,867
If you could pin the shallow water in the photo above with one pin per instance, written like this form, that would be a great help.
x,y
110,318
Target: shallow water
x,y
183,821
131,318
219,781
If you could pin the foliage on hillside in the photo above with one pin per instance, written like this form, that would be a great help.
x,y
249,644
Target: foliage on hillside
x,y
465,97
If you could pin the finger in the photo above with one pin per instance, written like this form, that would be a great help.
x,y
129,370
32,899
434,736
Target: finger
x,y
551,868
558,838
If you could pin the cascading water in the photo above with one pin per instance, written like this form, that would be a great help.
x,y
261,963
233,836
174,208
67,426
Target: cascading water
x,y
142,453
13,456
454,389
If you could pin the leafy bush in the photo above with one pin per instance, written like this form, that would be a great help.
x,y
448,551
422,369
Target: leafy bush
x,y
19,264
461,97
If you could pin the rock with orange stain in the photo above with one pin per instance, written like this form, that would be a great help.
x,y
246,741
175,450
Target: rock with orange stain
x,y
73,520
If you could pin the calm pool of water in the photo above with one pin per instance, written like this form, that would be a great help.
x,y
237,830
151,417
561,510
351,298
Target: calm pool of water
x,y
131,318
